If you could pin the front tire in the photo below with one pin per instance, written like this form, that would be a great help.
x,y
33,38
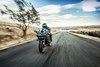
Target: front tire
x,y
48,44
41,47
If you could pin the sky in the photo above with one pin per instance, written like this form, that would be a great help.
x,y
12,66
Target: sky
x,y
58,13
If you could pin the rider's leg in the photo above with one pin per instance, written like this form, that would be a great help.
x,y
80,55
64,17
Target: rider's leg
x,y
47,40
51,37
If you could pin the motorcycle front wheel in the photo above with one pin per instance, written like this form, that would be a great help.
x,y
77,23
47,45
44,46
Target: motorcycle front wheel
x,y
41,47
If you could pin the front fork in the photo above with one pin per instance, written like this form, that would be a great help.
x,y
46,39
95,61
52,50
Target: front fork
x,y
43,42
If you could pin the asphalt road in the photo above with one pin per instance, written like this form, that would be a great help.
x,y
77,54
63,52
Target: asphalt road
x,y
66,50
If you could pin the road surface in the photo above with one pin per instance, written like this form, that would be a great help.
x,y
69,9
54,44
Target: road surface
x,y
66,50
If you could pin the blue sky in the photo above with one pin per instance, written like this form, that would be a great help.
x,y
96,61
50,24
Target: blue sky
x,y
39,3
42,3
64,12
69,12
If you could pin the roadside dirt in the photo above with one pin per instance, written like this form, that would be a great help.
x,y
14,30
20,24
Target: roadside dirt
x,y
11,36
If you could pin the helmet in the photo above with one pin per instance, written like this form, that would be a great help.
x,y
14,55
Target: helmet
x,y
44,25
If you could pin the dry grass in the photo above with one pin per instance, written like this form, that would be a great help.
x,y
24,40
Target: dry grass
x,y
10,34
88,31
54,30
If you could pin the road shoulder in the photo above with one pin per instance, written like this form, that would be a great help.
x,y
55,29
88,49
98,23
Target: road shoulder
x,y
14,43
86,36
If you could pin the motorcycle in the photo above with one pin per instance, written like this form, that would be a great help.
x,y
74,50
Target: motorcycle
x,y
43,42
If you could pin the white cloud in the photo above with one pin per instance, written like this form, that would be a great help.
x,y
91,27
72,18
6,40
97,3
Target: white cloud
x,y
54,9
5,18
69,6
67,16
85,5
56,17
90,5
50,13
9,3
49,9
68,20
59,20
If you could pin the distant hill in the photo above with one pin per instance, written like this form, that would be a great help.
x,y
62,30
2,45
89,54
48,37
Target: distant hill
x,y
76,27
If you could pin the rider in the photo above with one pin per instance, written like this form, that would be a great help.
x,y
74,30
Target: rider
x,y
44,26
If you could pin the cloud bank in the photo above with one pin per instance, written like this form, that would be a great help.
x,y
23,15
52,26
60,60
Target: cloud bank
x,y
51,14
54,15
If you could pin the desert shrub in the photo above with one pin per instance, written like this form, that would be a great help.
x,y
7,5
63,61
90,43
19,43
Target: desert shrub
x,y
90,33
5,37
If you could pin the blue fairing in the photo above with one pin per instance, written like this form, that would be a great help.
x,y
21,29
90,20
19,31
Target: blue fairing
x,y
43,32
